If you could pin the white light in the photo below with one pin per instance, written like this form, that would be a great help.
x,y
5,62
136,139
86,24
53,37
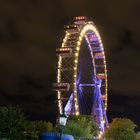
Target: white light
x,y
76,61
78,48
80,38
82,34
101,132
99,135
58,95
78,43
76,54
77,113
75,91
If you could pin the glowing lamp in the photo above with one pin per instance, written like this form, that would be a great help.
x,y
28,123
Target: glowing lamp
x,y
63,120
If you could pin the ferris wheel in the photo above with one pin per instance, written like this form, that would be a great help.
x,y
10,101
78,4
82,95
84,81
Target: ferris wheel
x,y
81,72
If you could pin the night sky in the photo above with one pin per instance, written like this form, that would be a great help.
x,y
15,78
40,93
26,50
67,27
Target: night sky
x,y
31,30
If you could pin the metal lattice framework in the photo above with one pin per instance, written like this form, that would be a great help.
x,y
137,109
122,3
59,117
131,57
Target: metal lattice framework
x,y
68,59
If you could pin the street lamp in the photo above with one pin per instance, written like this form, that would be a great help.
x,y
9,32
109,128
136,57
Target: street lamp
x,y
62,123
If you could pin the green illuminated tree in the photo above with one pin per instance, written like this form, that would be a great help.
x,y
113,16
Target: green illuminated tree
x,y
120,129
81,126
138,136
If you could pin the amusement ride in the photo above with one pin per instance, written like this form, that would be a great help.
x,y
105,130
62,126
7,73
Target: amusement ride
x,y
81,83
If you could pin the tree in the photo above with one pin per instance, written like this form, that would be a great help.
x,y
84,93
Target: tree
x,y
138,136
44,126
81,126
31,129
12,123
36,127
120,129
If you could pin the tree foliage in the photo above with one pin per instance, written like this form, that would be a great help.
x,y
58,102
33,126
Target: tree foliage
x,y
120,129
36,127
44,126
12,123
138,136
81,126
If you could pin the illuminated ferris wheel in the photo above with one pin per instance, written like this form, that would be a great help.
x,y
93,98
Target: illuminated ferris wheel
x,y
81,72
